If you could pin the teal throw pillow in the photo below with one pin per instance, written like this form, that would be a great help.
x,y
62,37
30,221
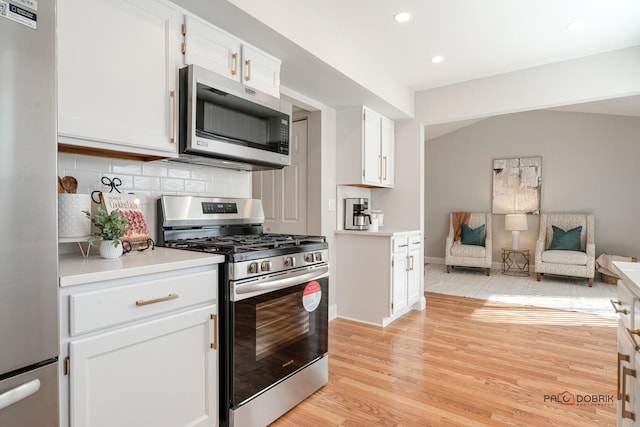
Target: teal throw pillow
x,y
566,240
472,236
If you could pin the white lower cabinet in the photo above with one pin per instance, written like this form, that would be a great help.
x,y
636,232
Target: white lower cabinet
x,y
141,351
627,380
379,275
406,274
627,305
158,373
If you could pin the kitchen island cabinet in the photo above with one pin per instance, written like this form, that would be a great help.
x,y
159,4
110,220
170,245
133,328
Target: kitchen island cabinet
x,y
379,275
627,305
138,339
117,76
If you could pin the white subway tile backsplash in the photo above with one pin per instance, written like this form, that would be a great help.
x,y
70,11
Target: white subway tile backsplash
x,y
171,184
202,174
179,173
66,161
150,180
217,189
151,169
93,163
132,167
195,186
146,183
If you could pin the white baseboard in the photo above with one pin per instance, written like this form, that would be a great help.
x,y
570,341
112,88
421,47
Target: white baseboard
x,y
333,311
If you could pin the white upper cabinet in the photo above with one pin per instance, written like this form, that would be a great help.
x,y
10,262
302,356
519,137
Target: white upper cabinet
x,y
365,148
216,50
117,75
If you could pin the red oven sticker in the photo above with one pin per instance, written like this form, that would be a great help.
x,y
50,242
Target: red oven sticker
x,y
311,296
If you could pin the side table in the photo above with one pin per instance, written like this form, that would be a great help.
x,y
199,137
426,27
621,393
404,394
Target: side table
x,y
515,262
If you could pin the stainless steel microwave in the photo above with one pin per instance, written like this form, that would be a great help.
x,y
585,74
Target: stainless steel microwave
x,y
227,124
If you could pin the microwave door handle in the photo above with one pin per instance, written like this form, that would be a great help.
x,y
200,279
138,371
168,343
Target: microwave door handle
x,y
252,289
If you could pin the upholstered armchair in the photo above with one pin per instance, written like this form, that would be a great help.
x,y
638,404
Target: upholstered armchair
x,y
566,251
478,254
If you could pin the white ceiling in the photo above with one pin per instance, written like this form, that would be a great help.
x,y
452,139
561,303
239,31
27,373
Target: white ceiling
x,y
477,38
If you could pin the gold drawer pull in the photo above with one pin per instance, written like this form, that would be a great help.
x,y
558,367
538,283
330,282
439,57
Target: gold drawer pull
x,y
621,358
616,309
625,397
142,302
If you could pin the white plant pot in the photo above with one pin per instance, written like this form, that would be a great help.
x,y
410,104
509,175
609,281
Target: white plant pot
x,y
107,250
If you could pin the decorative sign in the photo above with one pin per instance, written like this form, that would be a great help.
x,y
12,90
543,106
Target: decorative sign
x,y
311,296
129,205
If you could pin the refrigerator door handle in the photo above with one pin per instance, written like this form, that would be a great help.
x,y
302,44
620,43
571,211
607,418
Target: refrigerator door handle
x,y
21,392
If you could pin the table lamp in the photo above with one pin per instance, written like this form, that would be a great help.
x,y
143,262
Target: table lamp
x,y
515,223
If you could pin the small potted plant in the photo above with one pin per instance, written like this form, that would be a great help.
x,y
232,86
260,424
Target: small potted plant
x,y
112,226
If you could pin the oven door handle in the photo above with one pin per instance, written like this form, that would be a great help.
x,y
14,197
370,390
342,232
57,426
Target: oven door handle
x,y
248,290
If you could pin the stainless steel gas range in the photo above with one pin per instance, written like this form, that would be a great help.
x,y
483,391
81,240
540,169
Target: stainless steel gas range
x,y
273,304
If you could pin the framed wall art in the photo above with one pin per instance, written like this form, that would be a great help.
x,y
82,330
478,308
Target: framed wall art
x,y
517,185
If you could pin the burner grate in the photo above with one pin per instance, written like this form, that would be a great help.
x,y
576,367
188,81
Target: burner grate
x,y
246,243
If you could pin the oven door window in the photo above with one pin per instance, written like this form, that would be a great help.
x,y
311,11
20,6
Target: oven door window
x,y
276,334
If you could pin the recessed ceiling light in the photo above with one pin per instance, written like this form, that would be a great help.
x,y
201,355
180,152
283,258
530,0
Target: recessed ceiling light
x,y
574,26
402,16
437,59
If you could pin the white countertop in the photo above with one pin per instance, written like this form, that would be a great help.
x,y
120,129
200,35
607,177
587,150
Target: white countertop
x,y
382,232
76,270
629,272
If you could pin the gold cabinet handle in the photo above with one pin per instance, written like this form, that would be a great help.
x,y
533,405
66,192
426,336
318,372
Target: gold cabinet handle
x,y
631,333
174,116
248,64
402,246
625,397
621,358
142,302
616,309
214,344
412,262
234,70
384,174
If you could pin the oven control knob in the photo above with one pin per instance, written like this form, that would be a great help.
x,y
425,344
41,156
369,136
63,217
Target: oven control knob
x,y
253,268
266,266
318,256
289,261
308,257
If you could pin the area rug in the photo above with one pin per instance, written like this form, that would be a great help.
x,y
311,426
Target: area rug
x,y
561,293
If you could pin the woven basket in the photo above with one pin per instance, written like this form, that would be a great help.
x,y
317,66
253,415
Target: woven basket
x,y
613,280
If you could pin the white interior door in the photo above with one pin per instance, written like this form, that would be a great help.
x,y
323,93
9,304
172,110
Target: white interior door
x,y
284,191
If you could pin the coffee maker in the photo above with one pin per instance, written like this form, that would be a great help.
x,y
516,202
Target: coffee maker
x,y
355,217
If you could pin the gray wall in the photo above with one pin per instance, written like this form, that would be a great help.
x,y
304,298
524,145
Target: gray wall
x,y
590,163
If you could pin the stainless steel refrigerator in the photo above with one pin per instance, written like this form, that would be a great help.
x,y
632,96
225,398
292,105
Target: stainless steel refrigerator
x,y
28,206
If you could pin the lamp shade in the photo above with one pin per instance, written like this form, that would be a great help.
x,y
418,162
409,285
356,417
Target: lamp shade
x,y
515,222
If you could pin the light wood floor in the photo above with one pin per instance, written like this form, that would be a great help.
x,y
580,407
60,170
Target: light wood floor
x,y
466,362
